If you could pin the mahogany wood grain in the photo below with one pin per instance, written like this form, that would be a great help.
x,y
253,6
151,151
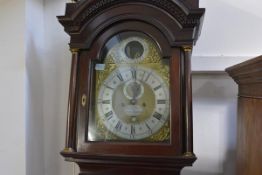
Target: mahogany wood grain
x,y
249,139
248,75
72,105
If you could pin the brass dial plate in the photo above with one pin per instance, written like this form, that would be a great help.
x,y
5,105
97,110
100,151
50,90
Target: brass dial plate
x,y
132,94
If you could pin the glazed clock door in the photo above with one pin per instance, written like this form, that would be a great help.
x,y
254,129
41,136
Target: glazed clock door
x,y
131,99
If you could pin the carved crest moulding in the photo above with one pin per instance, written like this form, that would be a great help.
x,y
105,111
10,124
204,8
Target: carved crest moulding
x,y
188,19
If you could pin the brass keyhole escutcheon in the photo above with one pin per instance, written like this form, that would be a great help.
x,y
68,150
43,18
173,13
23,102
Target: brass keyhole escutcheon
x,y
84,100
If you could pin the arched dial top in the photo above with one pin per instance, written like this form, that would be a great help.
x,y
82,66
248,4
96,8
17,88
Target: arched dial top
x,y
132,92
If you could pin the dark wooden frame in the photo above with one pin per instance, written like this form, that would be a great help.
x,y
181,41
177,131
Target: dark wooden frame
x,y
175,26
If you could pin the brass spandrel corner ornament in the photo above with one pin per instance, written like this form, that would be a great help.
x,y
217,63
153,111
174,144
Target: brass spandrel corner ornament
x,y
130,109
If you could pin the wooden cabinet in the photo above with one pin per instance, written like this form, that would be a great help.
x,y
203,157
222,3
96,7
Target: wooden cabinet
x,y
248,76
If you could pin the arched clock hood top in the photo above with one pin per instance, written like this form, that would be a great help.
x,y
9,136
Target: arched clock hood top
x,y
180,20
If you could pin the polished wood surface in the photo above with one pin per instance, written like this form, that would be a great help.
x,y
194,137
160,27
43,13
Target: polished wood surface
x,y
126,170
175,25
248,75
249,146
72,105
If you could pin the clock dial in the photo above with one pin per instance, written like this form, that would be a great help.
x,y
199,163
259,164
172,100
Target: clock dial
x,y
133,103
132,92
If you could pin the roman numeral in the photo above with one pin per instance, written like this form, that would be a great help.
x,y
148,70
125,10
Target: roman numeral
x,y
133,131
157,116
133,71
158,87
147,77
161,101
106,102
108,87
109,115
118,126
149,129
119,76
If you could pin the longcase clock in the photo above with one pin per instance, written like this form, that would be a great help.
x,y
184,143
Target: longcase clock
x,y
130,102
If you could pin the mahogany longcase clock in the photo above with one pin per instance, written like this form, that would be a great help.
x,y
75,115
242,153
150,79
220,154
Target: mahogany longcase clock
x,y
130,103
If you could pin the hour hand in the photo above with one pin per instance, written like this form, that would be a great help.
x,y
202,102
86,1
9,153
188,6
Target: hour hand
x,y
133,101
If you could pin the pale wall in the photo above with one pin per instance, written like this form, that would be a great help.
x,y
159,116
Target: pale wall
x,y
57,64
214,110
34,87
231,34
12,99
231,28
48,71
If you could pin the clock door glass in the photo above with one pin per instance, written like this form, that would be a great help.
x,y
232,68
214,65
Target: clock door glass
x,y
131,100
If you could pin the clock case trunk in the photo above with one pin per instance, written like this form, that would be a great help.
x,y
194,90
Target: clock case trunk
x,y
175,25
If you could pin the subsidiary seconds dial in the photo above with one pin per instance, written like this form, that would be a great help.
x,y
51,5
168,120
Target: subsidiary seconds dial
x,y
133,102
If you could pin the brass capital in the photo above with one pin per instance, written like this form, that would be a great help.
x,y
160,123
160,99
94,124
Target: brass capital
x,y
187,48
189,154
74,50
68,150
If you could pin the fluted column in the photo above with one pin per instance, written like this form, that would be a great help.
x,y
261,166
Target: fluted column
x,y
188,120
